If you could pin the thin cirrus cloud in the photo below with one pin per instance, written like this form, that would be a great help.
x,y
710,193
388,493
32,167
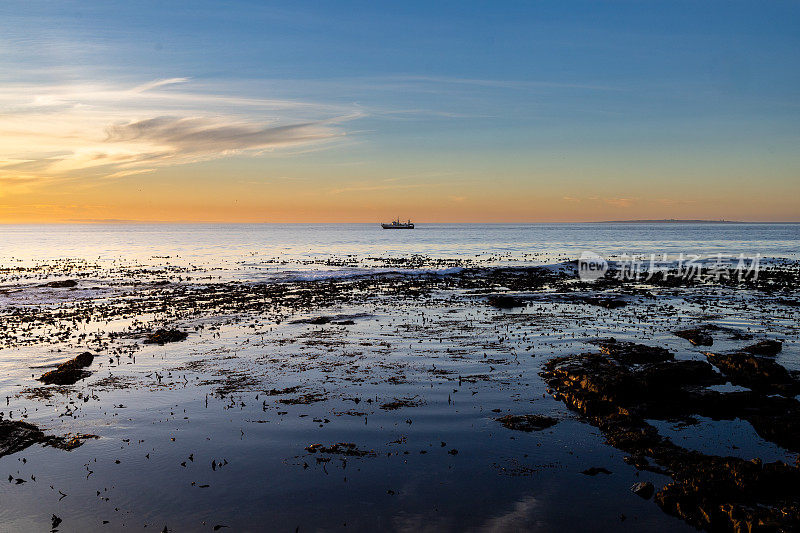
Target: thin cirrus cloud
x,y
203,135
102,131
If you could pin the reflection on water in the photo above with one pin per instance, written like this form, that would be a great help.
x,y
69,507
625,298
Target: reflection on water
x,y
214,431
247,246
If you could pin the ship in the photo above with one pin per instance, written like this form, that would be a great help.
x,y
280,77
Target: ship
x,y
396,224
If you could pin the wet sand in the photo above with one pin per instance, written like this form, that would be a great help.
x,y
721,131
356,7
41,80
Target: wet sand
x,y
399,401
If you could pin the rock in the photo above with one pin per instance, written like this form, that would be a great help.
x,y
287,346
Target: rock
x,y
340,448
503,301
608,303
16,436
527,422
162,336
768,347
631,352
619,396
731,494
65,376
304,399
81,360
643,489
69,372
755,372
401,402
61,284
697,336
593,471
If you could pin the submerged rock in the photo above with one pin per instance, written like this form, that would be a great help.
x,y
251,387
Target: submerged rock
x,y
162,336
643,489
16,436
503,301
697,336
340,448
401,402
61,284
755,372
69,372
593,471
768,347
527,422
608,303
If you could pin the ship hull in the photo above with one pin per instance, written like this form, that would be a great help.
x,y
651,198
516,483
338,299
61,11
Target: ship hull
x,y
397,226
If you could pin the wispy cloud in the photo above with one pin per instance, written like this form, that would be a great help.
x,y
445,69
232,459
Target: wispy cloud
x,y
194,135
371,188
84,131
158,83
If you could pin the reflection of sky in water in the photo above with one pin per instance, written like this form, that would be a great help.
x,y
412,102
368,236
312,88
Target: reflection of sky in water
x,y
247,246
736,438
265,484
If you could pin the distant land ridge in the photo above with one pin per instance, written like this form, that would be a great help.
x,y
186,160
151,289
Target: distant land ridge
x,y
677,221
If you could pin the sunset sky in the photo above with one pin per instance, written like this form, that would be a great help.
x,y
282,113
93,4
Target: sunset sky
x,y
435,111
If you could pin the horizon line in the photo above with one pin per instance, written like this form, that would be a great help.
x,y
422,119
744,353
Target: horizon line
x,y
121,222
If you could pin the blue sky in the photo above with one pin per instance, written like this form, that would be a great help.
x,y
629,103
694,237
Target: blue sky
x,y
605,105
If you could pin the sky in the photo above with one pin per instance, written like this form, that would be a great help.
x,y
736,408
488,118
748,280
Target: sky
x,y
363,111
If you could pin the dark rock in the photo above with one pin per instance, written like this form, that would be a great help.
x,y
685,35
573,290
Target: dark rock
x,y
608,303
16,436
697,336
731,494
503,301
593,471
527,422
768,347
401,402
69,372
339,320
81,360
643,489
340,448
304,399
755,372
62,284
162,336
709,492
631,352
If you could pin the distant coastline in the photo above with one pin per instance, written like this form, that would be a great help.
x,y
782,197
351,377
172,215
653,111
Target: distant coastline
x,y
682,221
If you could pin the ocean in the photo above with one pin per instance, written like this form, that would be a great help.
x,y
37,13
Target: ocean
x,y
299,394
259,251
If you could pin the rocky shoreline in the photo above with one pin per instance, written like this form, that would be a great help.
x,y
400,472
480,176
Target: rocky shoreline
x,y
346,348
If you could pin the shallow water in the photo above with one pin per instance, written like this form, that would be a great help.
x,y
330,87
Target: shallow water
x,y
458,362
256,251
